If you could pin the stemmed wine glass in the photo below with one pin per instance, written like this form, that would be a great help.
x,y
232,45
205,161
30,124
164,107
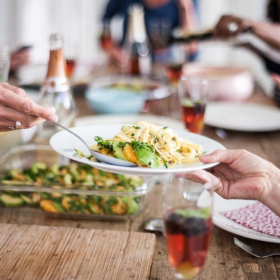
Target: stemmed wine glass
x,y
187,208
174,70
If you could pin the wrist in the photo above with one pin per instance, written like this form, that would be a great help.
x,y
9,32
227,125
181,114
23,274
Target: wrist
x,y
253,25
270,195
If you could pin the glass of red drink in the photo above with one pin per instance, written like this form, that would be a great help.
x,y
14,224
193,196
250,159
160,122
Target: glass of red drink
x,y
187,217
193,94
105,37
70,53
174,72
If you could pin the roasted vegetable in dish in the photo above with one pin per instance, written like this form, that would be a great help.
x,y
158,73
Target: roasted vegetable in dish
x,y
83,177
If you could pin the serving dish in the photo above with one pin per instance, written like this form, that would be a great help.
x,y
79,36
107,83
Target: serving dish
x,y
65,144
226,83
90,197
108,100
151,88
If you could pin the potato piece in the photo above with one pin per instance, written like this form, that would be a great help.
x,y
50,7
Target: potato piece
x,y
36,198
48,206
83,201
119,208
20,177
65,202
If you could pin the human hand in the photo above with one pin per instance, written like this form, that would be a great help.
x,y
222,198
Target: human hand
x,y
276,79
243,175
229,26
118,56
15,106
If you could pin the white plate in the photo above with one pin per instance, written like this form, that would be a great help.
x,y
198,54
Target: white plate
x,y
221,221
242,117
64,143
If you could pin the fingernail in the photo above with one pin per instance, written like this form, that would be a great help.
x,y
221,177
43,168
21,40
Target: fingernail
x,y
53,118
52,109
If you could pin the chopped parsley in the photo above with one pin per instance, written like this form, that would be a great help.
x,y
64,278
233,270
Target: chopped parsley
x,y
165,127
121,144
138,145
103,144
165,163
137,127
132,134
178,150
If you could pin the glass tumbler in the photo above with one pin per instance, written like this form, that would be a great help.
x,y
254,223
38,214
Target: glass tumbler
x,y
193,95
4,63
187,212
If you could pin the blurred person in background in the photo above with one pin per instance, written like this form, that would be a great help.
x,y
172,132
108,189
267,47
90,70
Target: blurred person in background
x,y
19,58
177,13
269,32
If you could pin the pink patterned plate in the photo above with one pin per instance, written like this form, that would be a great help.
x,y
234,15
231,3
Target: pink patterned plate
x,y
255,221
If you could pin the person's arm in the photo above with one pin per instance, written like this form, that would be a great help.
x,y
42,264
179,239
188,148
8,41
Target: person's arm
x,y
188,21
268,32
243,176
229,26
111,9
15,106
187,15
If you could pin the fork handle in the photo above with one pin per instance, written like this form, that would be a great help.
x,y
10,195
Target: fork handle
x,y
65,128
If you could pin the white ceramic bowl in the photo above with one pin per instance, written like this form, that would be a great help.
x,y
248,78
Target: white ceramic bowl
x,y
226,83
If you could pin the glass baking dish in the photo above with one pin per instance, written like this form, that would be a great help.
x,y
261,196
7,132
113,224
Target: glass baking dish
x,y
50,183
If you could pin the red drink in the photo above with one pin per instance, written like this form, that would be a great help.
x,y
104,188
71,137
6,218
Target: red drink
x,y
174,72
70,67
106,42
188,240
193,115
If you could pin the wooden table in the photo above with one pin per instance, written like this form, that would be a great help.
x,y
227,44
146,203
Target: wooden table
x,y
225,260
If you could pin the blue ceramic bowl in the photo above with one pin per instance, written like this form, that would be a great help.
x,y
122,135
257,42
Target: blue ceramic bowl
x,y
106,100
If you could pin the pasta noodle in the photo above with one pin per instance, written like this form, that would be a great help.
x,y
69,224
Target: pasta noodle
x,y
170,148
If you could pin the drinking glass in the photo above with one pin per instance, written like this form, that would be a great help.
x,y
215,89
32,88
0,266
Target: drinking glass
x,y
70,53
173,72
193,94
4,63
187,208
106,38
174,64
159,30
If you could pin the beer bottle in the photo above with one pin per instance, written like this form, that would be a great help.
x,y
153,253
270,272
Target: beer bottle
x,y
136,42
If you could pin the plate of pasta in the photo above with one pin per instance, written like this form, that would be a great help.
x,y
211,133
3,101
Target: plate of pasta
x,y
151,149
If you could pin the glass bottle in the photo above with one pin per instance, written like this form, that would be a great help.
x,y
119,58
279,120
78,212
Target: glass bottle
x,y
56,91
136,43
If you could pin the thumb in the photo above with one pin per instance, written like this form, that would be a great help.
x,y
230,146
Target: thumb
x,y
225,156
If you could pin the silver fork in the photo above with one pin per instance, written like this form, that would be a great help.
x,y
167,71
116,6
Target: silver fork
x,y
255,252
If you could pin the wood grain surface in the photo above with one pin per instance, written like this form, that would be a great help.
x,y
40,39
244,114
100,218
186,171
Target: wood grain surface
x,y
40,252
